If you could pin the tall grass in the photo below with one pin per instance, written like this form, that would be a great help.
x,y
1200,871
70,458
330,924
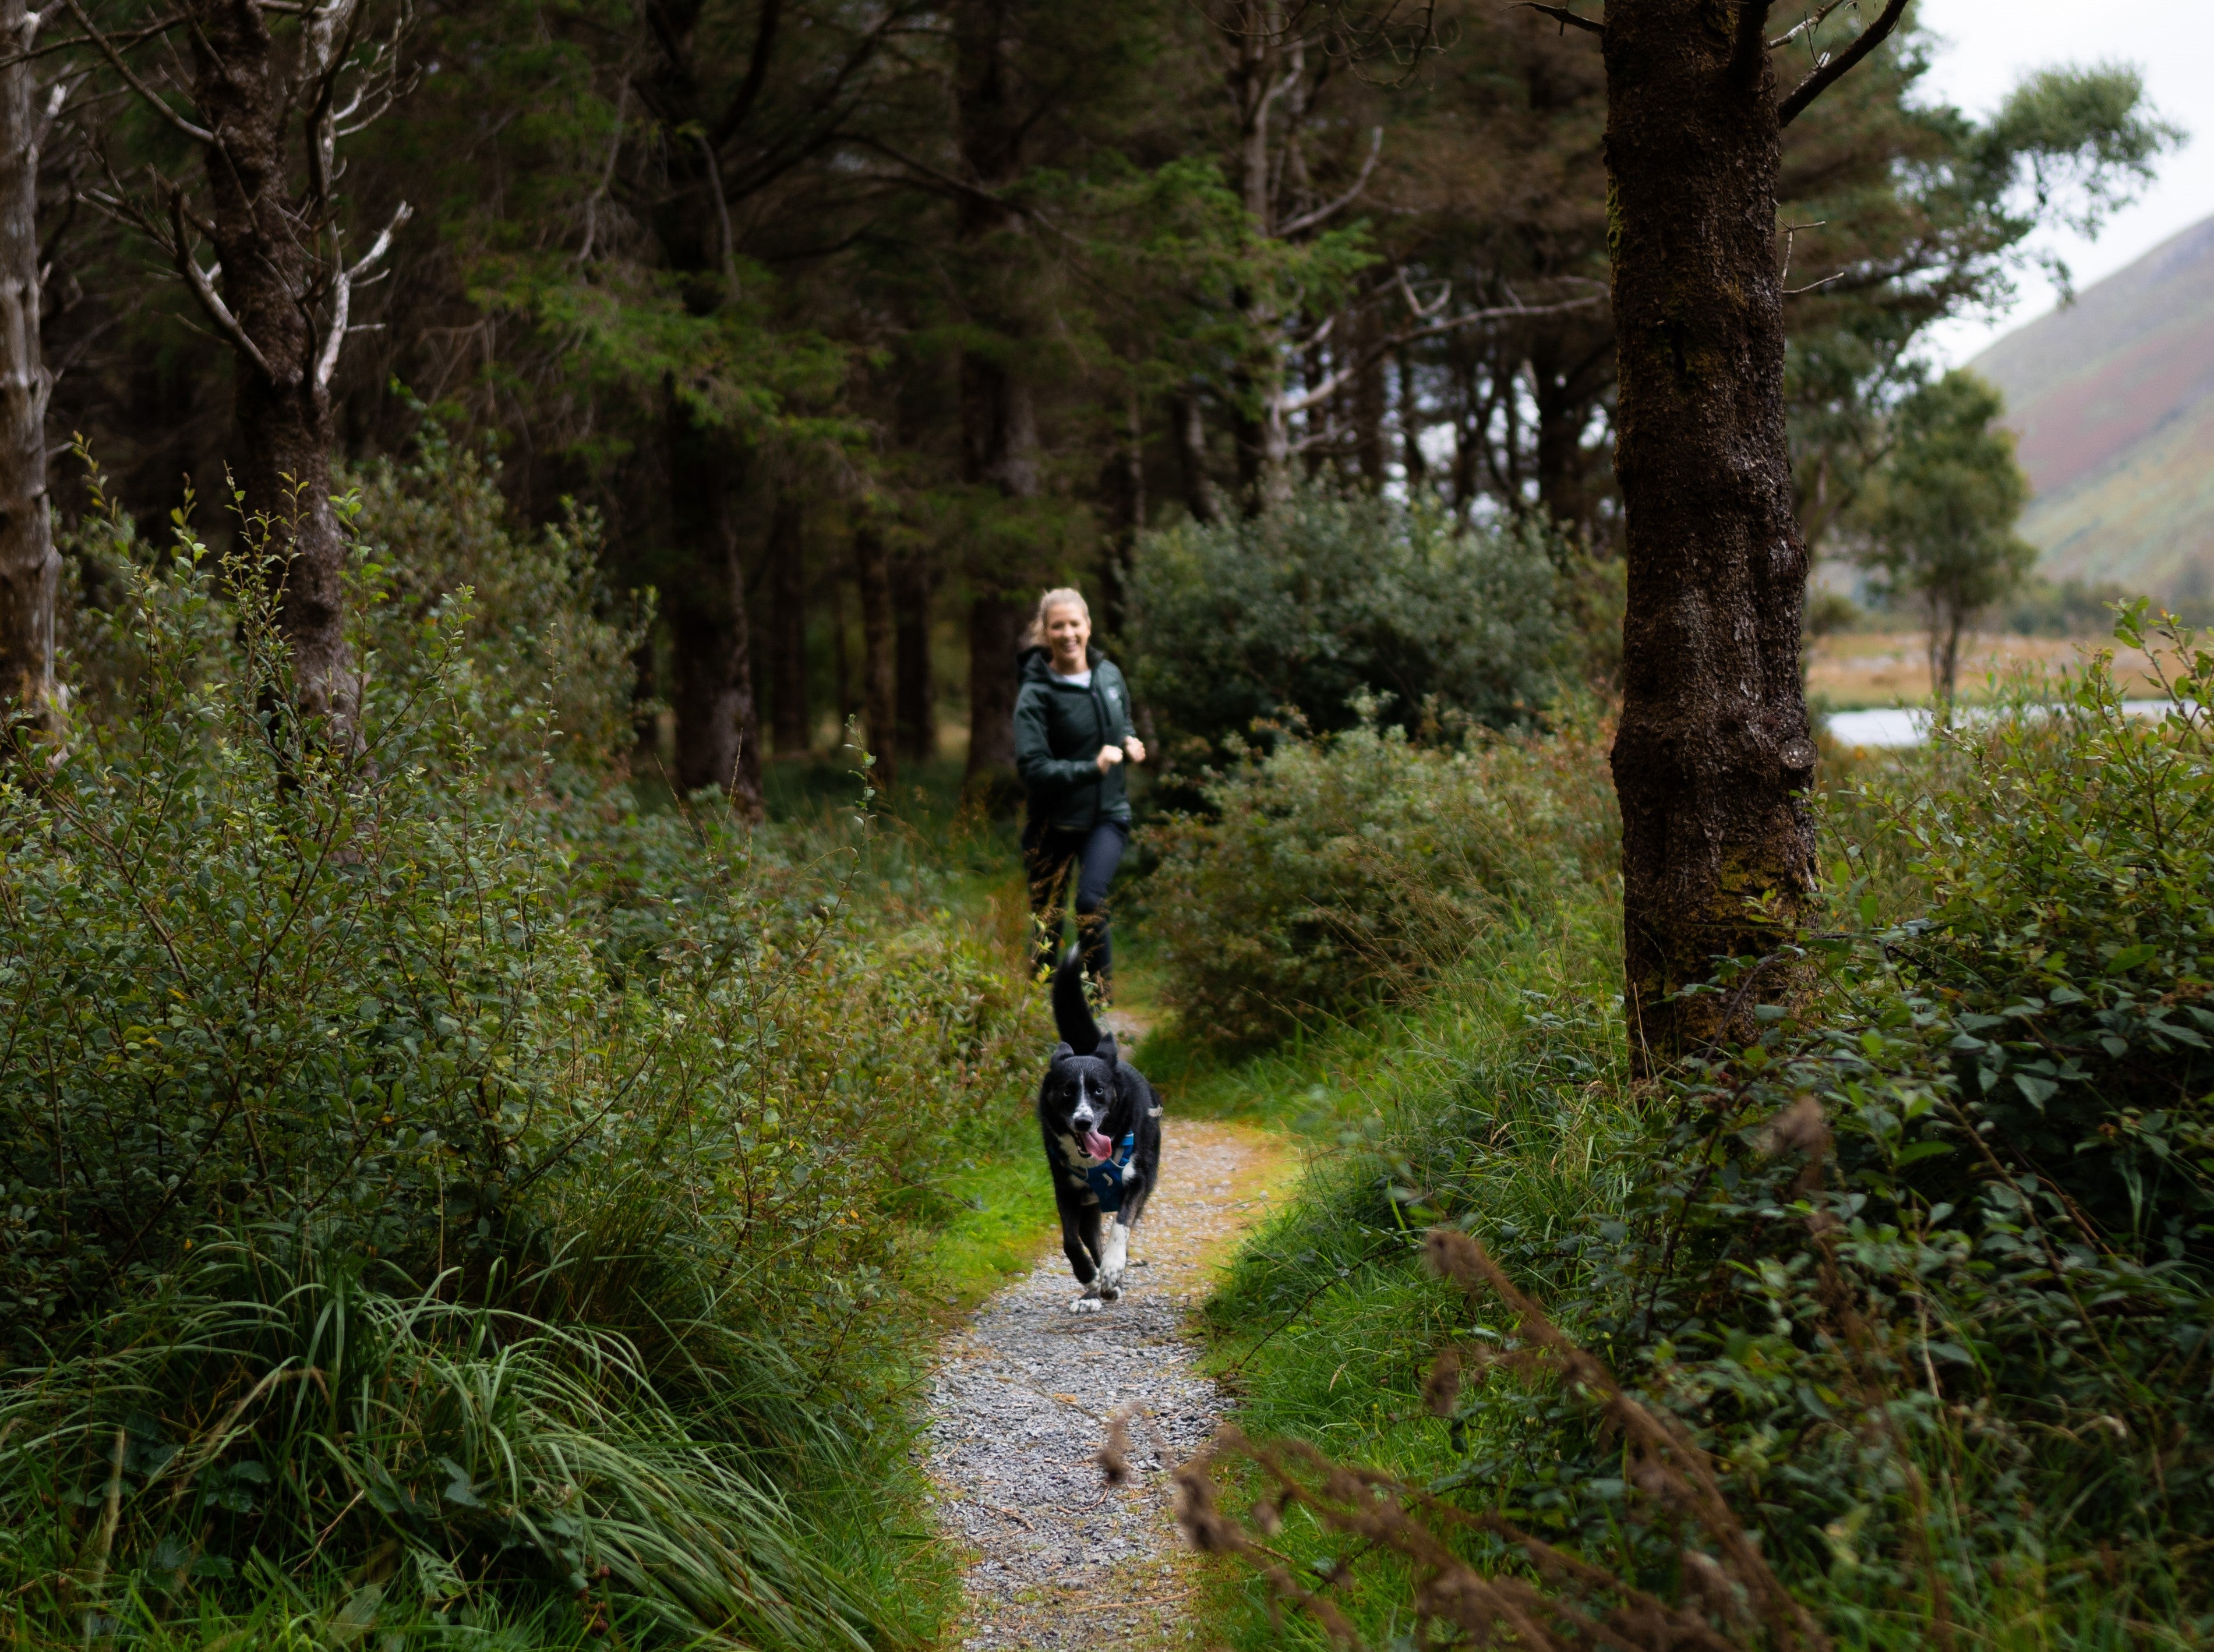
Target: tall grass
x,y
424,1446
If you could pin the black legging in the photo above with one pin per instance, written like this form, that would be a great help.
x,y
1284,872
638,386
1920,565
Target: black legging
x,y
1048,856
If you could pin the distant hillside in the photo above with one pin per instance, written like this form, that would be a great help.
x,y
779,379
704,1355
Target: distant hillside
x,y
2114,398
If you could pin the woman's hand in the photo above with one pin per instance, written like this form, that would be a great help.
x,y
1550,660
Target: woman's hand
x,y
1108,756
1135,748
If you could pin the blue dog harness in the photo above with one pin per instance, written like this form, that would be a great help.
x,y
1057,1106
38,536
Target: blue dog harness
x,y
1106,1179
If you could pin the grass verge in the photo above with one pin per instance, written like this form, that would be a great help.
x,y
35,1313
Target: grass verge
x,y
1324,1324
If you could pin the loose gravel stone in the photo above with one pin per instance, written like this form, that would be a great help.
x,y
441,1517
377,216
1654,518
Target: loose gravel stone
x,y
1023,1400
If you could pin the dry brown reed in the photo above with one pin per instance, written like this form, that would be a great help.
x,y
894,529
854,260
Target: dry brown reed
x,y
1552,1599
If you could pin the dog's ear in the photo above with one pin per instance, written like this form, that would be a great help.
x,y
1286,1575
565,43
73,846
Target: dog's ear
x,y
1106,1049
1060,1052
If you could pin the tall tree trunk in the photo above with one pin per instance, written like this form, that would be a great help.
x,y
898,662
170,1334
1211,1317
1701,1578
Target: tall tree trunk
x,y
1369,400
1714,752
790,726
841,653
913,585
717,732
269,275
995,630
1000,421
1411,425
872,573
1190,431
30,568
1123,492
1569,379
1947,621
644,691
999,414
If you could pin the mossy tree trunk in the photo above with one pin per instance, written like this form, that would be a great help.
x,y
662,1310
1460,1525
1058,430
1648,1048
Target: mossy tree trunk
x,y
1714,752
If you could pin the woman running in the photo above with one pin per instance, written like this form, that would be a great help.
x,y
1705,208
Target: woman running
x,y
1071,736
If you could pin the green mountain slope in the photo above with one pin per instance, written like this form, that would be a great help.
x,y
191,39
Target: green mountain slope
x,y
2114,398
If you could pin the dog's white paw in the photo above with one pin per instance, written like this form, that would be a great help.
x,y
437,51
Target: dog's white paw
x,y
1085,1304
1112,1261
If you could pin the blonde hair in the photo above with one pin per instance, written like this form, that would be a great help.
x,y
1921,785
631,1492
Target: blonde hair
x,y
1062,596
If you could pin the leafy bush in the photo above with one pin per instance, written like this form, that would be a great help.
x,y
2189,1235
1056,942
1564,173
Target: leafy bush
x,y
1328,596
546,676
1336,867
421,1194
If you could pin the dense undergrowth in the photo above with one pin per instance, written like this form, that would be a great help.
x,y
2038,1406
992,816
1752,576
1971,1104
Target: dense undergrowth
x,y
1336,873
444,1203
1914,1284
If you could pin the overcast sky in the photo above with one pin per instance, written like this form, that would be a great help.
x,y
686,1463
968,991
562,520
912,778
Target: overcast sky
x,y
1987,47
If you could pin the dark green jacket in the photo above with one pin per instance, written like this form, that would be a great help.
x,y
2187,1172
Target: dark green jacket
x,y
1059,731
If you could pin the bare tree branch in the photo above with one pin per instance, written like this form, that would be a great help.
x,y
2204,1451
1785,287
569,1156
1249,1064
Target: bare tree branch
x,y
135,37
722,218
115,60
1830,69
1382,347
326,365
1812,20
1308,220
1566,18
1416,308
181,249
749,90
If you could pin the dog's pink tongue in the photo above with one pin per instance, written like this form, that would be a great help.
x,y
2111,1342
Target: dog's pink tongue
x,y
1098,1146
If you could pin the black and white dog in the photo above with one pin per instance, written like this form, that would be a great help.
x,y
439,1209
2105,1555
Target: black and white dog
x,y
1103,1141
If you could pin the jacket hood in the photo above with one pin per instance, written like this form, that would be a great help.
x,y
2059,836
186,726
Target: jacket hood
x,y
1034,664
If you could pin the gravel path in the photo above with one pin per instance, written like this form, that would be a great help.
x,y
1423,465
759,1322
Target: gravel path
x,y
1023,1400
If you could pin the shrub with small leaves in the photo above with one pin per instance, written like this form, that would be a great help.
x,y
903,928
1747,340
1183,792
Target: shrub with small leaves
x,y
1333,870
1291,614
423,1187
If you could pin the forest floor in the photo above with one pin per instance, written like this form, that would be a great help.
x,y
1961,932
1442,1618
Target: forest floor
x,y
1027,1392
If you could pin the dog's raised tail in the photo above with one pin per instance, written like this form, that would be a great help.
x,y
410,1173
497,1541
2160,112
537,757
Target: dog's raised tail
x,y
1072,1010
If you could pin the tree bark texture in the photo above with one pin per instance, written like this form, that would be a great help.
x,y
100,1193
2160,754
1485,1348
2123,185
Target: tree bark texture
x,y
914,587
872,572
270,276
30,567
842,655
1568,377
1122,493
1714,751
999,414
718,731
789,723
999,425
1369,402
995,630
1190,431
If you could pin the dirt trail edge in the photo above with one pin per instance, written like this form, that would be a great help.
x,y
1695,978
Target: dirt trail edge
x,y
1021,1404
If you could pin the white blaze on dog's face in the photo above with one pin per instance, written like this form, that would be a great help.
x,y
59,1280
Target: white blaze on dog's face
x,y
1082,1092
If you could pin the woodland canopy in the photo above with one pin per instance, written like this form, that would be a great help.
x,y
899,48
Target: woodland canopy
x,y
853,325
